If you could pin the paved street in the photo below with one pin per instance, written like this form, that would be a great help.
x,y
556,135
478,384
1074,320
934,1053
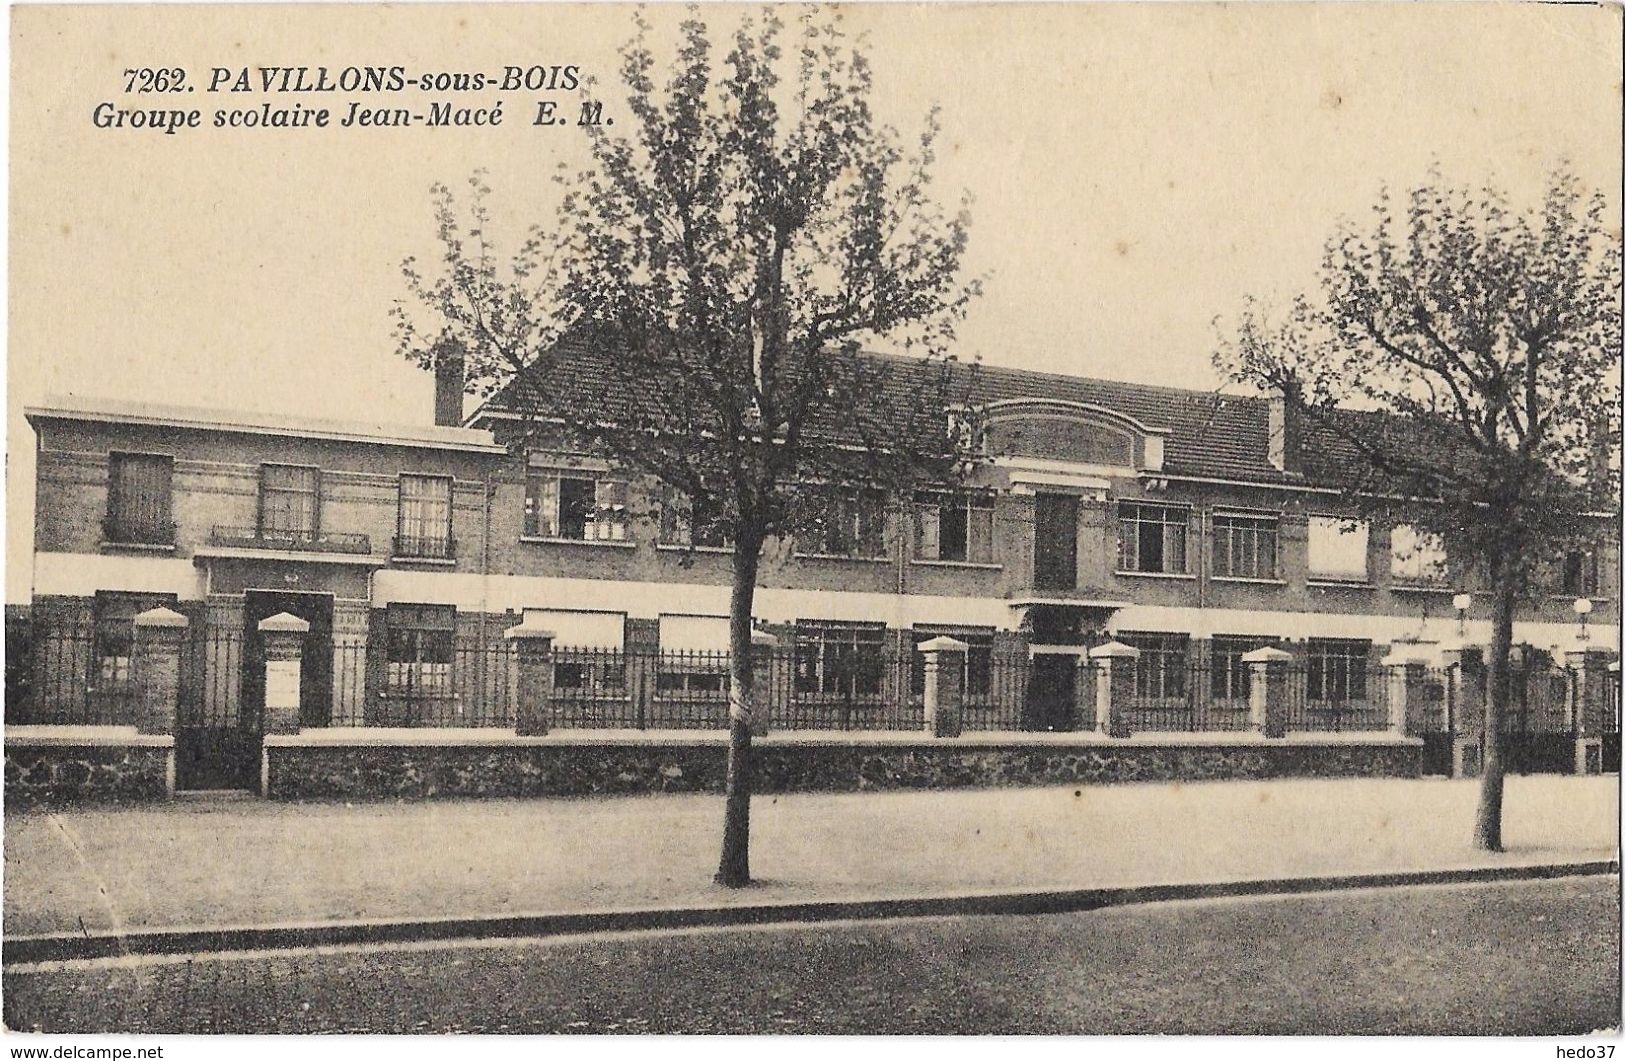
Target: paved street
x,y
1532,958
255,863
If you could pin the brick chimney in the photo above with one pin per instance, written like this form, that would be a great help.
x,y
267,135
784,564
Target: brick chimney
x,y
448,383
1285,436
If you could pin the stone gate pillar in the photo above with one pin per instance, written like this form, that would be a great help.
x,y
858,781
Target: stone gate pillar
x,y
1114,686
1407,676
1588,707
1267,689
157,668
944,686
284,637
763,695
533,645
1465,700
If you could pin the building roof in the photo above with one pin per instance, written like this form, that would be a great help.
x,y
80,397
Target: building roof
x,y
374,432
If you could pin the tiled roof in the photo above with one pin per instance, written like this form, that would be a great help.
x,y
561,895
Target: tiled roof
x,y
369,431
1210,435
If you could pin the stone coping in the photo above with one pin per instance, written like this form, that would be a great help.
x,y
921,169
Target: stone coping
x,y
356,736
84,736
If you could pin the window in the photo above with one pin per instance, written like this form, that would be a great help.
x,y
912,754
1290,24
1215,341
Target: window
x,y
115,634
1336,670
420,649
290,502
1244,546
1159,673
1151,538
1416,556
138,497
423,521
954,527
588,660
1337,549
839,659
577,508
1229,676
693,656
698,521
846,525
977,677
1580,573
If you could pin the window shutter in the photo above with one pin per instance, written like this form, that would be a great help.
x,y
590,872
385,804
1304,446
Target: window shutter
x,y
930,517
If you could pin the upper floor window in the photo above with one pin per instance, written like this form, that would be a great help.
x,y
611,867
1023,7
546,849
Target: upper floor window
x,y
1336,670
840,659
1245,546
1580,575
290,501
846,524
575,507
1159,673
138,499
420,649
1338,548
698,521
957,526
1416,555
1151,538
423,519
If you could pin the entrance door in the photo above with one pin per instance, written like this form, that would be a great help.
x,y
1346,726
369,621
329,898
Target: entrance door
x,y
1052,693
1055,542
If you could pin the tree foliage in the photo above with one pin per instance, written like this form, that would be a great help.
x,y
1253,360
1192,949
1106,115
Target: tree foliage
x,y
724,299
706,304
1464,357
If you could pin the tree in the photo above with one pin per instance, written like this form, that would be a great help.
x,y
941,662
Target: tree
x,y
1464,355
701,308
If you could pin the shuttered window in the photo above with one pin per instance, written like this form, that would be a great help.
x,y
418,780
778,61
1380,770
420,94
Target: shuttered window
x,y
424,521
138,499
290,501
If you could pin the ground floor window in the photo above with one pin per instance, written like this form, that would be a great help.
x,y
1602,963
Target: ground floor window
x,y
420,650
1336,669
977,675
1159,673
840,659
1229,678
115,634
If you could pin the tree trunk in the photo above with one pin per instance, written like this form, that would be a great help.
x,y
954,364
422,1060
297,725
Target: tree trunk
x,y
733,871
1487,827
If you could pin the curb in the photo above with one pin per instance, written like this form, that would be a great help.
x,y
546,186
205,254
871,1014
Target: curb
x,y
22,950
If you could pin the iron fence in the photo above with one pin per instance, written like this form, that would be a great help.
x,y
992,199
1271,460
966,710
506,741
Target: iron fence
x,y
79,673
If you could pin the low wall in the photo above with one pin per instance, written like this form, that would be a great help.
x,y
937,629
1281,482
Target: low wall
x,y
94,764
431,764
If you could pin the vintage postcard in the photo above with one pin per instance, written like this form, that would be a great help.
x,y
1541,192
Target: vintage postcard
x,y
910,519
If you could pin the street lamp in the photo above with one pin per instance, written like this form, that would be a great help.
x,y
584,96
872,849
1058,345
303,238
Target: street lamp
x,y
1582,608
1462,601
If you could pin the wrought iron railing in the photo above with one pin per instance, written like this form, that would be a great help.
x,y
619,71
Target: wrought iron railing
x,y
432,547
290,540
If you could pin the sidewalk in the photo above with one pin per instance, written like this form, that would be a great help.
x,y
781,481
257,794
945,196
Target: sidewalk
x,y
230,863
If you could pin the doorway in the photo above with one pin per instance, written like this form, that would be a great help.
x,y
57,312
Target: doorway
x,y
1055,542
316,663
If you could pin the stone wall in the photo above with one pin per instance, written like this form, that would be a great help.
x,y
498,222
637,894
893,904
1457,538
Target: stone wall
x,y
548,767
89,770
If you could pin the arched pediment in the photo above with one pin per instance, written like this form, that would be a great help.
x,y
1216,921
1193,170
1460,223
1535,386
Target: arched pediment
x,y
1050,429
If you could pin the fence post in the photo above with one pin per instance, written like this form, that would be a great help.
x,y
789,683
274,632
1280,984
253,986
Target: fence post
x,y
763,647
1466,692
284,637
1114,686
1406,674
533,647
1588,702
944,686
157,667
1267,689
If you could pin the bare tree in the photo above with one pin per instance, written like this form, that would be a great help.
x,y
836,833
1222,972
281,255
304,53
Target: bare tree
x,y
701,309
1464,358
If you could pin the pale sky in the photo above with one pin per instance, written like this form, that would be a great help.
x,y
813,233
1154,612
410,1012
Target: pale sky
x,y
1137,170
